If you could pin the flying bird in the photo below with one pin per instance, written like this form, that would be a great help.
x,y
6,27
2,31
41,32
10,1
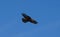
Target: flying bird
x,y
28,19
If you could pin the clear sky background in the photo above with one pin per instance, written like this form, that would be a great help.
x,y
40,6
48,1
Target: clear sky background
x,y
46,12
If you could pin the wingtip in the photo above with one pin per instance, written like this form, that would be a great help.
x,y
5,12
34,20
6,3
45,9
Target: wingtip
x,y
36,23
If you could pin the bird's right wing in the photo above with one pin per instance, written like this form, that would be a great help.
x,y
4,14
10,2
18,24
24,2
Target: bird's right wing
x,y
33,21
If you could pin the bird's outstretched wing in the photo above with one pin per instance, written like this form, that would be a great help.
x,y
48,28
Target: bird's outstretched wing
x,y
33,21
25,16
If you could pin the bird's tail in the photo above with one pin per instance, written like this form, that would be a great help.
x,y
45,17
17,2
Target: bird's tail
x,y
24,20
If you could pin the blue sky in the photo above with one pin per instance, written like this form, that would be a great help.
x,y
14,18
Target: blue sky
x,y
46,12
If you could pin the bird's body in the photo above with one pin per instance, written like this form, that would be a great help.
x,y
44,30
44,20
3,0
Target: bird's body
x,y
28,19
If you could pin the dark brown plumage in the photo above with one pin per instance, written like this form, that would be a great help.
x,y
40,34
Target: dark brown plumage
x,y
28,19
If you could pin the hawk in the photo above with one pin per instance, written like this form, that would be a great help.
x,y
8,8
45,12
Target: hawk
x,y
28,19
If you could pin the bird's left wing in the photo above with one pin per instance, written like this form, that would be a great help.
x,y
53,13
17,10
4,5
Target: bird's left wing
x,y
24,15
